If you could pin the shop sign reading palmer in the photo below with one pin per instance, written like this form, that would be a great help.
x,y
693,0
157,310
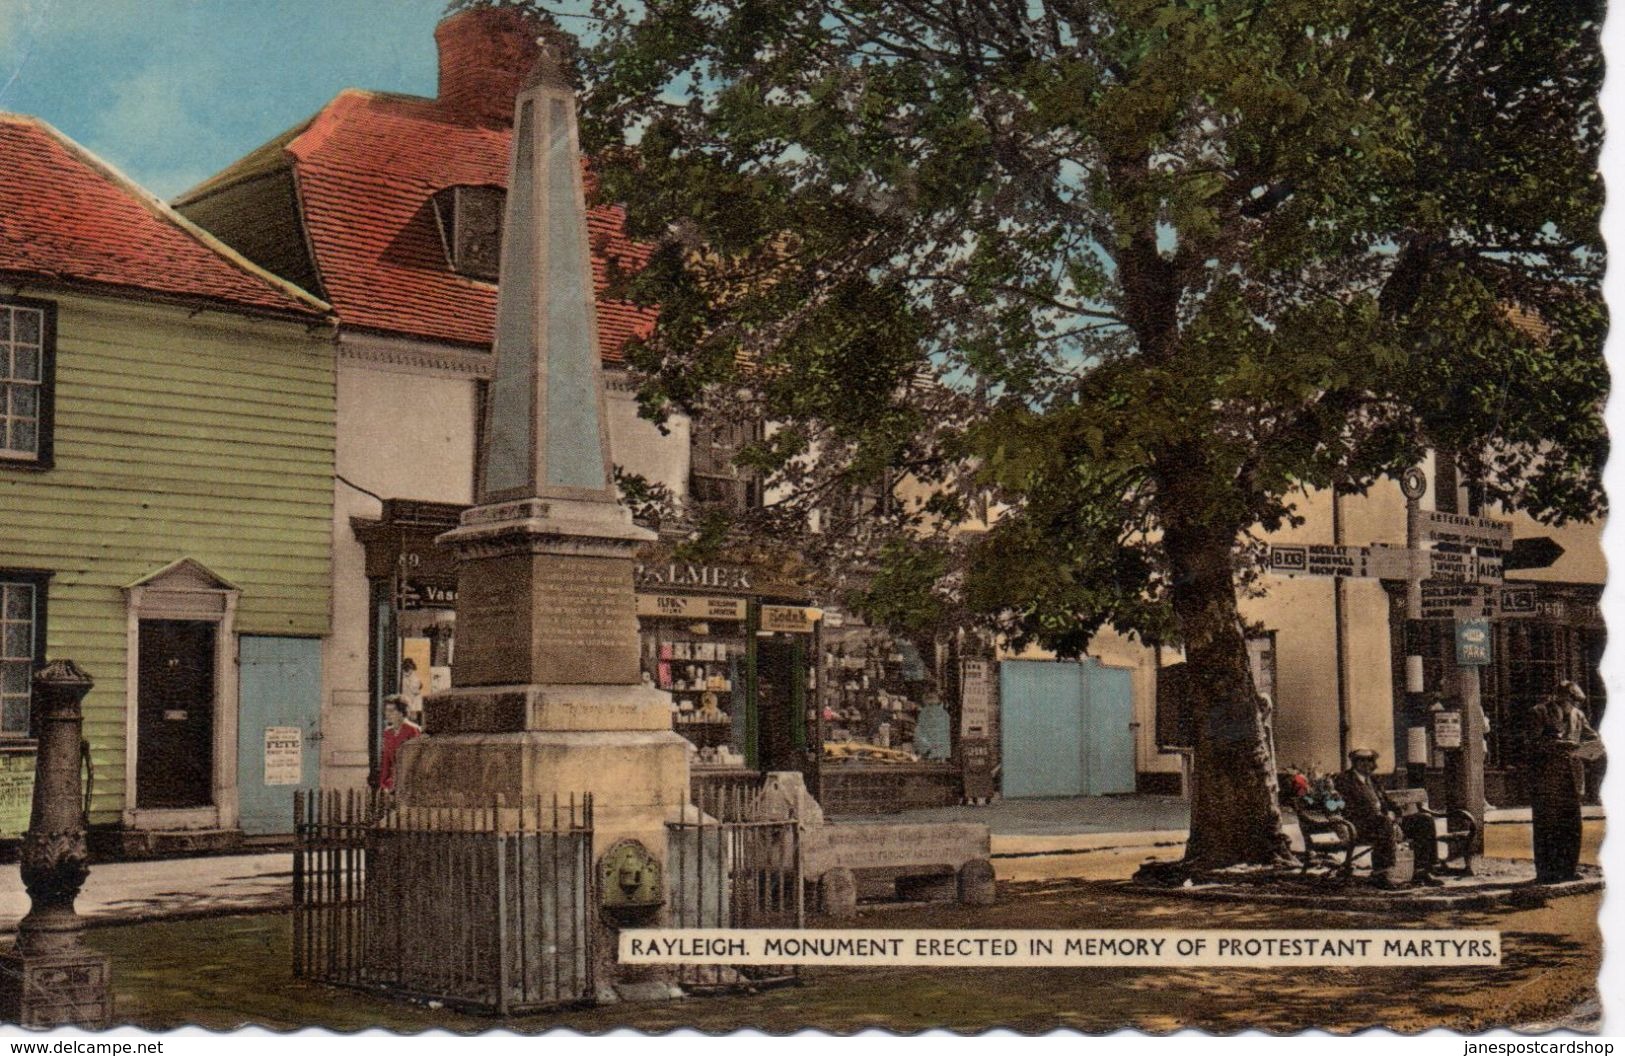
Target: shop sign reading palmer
x,y
699,577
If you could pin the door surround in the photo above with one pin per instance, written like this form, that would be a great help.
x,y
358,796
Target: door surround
x,y
185,589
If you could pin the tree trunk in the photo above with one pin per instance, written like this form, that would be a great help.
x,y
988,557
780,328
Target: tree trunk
x,y
1235,814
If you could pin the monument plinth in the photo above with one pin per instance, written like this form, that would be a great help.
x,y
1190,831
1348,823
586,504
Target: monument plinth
x,y
547,697
549,598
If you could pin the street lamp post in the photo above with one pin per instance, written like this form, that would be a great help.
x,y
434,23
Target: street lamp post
x,y
50,978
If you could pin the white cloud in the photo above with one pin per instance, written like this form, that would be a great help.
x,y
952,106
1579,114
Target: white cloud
x,y
161,115
29,28
150,104
21,24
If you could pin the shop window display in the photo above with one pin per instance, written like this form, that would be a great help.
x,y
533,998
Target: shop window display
x,y
426,639
876,689
702,666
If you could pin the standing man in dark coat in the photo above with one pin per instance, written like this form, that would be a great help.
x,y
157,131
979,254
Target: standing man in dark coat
x,y
1374,817
1557,781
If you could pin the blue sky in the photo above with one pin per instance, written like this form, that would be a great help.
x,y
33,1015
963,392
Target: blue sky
x,y
171,91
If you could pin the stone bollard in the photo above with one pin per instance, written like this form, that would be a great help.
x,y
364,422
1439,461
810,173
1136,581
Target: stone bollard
x,y
838,894
976,884
50,978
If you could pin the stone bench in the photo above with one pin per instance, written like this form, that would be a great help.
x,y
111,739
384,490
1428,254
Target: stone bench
x,y
941,861
936,861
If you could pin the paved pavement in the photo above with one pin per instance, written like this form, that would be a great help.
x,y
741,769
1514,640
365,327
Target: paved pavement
x,y
1099,814
1056,817
135,891
1095,837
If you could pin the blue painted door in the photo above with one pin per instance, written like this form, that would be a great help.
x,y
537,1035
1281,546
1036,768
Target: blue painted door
x,y
1039,716
278,729
1108,729
1066,729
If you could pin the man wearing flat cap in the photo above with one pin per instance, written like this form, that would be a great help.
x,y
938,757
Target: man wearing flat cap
x,y
1375,817
1558,730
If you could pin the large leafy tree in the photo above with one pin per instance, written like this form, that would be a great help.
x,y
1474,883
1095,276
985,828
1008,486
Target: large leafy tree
x,y
1164,262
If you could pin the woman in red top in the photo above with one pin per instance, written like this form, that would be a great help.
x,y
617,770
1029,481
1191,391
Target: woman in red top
x,y
398,731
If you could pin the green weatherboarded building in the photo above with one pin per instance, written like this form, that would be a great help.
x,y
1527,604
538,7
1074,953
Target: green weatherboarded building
x,y
166,502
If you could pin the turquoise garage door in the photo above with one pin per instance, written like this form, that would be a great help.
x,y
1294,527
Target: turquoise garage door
x,y
1067,729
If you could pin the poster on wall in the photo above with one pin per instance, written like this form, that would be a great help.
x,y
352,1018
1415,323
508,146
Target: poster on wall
x,y
16,792
975,698
1447,729
976,729
284,755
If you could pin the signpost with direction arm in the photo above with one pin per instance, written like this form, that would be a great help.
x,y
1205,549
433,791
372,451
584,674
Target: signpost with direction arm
x,y
1466,563
1452,565
1356,562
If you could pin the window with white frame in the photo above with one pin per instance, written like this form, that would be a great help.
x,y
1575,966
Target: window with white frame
x,y
22,636
26,338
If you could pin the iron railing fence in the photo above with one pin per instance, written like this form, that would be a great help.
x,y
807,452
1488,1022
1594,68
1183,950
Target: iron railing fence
x,y
732,867
708,784
329,880
485,908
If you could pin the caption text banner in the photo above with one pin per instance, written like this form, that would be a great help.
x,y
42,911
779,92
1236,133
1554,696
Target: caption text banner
x,y
1330,947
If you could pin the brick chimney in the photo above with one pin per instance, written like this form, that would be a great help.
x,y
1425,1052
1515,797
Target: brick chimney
x,y
485,54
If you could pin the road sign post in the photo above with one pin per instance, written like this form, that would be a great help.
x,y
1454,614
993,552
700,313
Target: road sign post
x,y
1414,484
1464,768
1464,572
1452,565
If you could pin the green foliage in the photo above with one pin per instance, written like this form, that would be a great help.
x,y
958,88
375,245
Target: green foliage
x,y
650,502
907,594
1164,262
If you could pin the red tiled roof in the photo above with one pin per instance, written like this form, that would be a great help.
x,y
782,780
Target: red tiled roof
x,y
367,166
67,216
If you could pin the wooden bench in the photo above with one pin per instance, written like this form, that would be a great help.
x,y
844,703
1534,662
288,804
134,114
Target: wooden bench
x,y
1329,839
1460,833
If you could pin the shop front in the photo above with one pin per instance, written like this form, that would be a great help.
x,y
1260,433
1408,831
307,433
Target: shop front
x,y
412,593
890,741
761,678
734,648
1547,633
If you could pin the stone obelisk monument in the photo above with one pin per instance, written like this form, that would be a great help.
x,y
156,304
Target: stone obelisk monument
x,y
547,696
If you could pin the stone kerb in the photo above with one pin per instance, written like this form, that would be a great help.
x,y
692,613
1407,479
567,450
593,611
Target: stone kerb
x,y
1506,887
